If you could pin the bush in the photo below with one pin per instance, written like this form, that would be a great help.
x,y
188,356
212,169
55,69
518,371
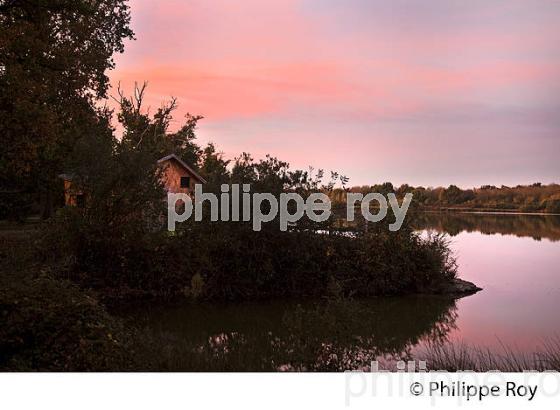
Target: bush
x,y
238,263
51,325
230,261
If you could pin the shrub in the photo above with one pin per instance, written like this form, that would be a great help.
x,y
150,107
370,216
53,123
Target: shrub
x,y
51,325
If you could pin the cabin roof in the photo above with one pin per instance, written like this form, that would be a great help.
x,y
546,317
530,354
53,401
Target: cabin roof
x,y
183,164
66,177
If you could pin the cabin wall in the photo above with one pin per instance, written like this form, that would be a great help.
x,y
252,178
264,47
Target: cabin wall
x,y
69,198
172,174
71,194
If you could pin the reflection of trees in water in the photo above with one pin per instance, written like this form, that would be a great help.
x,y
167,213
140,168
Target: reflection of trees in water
x,y
330,336
534,226
343,335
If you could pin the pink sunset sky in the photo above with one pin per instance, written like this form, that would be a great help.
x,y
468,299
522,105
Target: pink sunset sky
x,y
432,92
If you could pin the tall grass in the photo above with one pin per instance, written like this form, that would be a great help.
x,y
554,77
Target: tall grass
x,y
462,357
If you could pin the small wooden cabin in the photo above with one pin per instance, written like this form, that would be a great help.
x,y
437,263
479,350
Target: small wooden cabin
x,y
177,177
73,196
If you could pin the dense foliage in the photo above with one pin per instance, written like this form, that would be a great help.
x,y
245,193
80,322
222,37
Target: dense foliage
x,y
54,55
229,261
49,323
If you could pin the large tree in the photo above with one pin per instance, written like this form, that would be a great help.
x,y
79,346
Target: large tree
x,y
152,132
54,55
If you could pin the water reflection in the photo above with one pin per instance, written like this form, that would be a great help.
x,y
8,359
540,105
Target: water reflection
x,y
328,336
453,223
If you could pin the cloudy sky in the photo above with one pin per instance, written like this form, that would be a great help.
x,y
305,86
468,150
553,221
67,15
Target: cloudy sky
x,y
428,92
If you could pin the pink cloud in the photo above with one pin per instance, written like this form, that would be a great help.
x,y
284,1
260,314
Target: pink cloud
x,y
272,75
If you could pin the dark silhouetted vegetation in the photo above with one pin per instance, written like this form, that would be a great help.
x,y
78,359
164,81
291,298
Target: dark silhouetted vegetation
x,y
49,323
54,55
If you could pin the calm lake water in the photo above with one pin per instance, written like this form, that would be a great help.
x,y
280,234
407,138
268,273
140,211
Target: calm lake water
x,y
514,258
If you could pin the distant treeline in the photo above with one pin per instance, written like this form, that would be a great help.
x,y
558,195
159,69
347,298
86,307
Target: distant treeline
x,y
525,198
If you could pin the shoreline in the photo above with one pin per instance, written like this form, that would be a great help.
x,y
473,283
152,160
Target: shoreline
x,y
116,300
457,288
